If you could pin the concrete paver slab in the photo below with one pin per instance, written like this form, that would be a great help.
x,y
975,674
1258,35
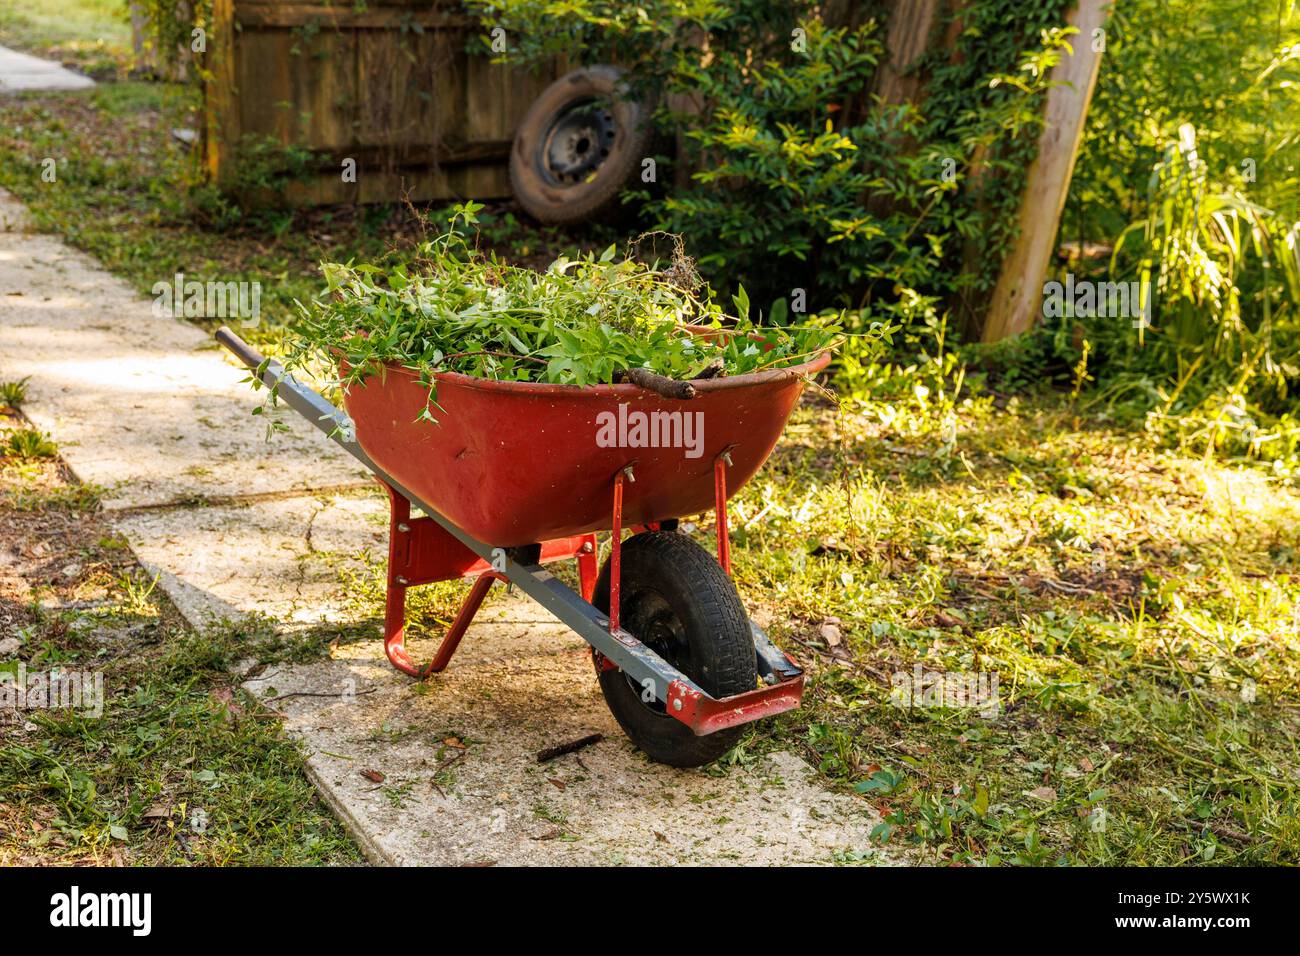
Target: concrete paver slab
x,y
21,72
519,683
280,558
493,802
144,405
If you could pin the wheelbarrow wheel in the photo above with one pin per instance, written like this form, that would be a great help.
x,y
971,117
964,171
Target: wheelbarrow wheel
x,y
677,600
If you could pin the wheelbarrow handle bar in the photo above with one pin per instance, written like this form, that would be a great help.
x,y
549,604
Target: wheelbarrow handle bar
x,y
233,344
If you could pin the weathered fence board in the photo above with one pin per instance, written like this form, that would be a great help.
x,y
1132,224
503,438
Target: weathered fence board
x,y
390,87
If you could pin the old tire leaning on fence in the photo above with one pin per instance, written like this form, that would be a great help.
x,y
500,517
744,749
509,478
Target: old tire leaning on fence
x,y
677,600
580,143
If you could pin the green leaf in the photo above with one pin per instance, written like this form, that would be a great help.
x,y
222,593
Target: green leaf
x,y
741,298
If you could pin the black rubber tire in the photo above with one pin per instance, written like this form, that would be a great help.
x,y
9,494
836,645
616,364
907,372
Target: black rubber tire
x,y
686,608
551,201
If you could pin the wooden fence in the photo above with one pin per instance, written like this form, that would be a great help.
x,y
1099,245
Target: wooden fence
x,y
389,87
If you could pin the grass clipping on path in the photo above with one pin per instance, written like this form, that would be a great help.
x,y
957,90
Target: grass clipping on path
x,y
581,322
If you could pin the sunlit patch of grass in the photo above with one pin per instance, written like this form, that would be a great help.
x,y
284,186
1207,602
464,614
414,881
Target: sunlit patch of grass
x,y
93,35
182,767
64,498
1141,611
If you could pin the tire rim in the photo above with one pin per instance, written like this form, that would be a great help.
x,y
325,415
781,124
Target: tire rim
x,y
651,619
577,143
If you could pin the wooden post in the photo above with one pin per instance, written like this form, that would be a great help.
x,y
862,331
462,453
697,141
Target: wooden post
x,y
221,118
1018,298
142,52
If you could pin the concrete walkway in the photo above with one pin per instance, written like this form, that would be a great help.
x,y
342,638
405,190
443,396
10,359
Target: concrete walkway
x,y
20,72
436,773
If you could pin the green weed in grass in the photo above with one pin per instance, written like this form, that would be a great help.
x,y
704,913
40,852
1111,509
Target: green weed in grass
x,y
13,394
26,444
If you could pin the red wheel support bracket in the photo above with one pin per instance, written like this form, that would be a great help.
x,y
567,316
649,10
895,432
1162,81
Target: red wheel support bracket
x,y
616,544
720,506
588,568
422,552
395,626
705,714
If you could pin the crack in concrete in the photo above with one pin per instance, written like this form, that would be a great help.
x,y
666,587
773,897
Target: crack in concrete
x,y
345,489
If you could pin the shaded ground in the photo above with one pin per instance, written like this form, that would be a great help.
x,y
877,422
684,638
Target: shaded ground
x,y
182,767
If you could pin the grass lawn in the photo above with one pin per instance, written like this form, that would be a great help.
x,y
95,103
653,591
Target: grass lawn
x,y
1140,610
91,35
183,767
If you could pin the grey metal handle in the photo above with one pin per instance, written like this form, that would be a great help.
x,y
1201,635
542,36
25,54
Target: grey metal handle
x,y
237,347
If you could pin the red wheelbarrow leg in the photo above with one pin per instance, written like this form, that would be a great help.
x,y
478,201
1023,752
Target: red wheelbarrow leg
x,y
420,551
395,627
616,545
399,543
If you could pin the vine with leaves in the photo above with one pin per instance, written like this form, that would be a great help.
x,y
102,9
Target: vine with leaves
x,y
170,25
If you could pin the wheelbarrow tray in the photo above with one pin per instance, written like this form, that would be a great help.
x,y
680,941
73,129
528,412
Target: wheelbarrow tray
x,y
513,463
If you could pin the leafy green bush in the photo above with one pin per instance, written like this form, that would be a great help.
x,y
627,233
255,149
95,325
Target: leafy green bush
x,y
1191,166
1231,68
797,180
1216,366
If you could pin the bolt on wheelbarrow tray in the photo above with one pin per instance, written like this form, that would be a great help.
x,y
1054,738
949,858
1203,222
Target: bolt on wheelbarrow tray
x,y
515,475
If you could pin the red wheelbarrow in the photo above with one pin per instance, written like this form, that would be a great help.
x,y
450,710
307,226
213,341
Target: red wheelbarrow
x,y
515,475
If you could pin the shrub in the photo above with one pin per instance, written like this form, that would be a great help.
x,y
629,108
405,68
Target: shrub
x,y
1217,365
797,181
